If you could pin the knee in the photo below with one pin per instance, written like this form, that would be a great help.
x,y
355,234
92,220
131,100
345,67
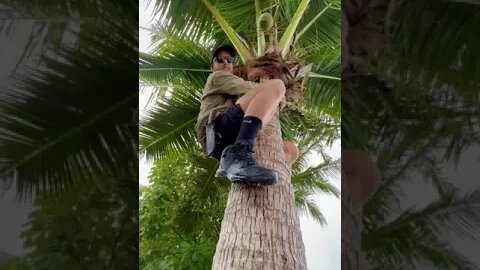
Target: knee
x,y
277,87
362,175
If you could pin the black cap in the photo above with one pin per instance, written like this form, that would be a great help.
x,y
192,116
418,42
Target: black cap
x,y
226,48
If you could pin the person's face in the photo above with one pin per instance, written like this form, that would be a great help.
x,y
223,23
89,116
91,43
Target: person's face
x,y
221,62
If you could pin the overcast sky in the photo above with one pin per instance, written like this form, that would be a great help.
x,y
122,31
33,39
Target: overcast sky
x,y
13,213
322,244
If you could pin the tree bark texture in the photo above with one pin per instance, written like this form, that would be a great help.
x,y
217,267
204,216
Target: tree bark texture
x,y
353,258
261,226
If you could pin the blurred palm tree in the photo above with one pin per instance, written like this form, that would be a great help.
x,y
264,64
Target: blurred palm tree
x,y
410,97
63,116
69,126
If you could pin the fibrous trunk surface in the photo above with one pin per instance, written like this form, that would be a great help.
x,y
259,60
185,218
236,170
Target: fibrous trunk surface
x,y
261,227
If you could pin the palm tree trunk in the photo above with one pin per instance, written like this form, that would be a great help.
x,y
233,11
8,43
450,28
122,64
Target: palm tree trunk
x,y
360,19
353,258
261,227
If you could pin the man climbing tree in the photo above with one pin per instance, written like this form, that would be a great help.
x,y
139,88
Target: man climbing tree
x,y
237,109
281,55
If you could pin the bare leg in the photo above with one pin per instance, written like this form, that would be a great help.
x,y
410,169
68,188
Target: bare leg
x,y
291,152
264,101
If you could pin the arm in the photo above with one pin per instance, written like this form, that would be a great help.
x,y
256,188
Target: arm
x,y
221,82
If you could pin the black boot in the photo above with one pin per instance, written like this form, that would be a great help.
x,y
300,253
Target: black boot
x,y
238,165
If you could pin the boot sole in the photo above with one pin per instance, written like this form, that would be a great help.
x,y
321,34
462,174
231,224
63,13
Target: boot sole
x,y
244,180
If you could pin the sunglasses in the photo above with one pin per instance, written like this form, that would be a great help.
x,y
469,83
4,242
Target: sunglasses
x,y
221,59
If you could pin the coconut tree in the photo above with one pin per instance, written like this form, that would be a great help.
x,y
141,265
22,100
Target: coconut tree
x,y
181,211
260,227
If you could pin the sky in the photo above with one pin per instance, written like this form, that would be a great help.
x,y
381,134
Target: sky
x,y
322,243
13,215
13,212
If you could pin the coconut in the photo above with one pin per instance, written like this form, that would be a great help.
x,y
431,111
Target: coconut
x,y
265,22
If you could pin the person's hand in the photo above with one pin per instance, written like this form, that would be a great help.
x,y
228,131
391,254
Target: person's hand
x,y
361,173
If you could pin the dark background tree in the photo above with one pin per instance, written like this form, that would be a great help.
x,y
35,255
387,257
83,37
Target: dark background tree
x,y
410,98
68,130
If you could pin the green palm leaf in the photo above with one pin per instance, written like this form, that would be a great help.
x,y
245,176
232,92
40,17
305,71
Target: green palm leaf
x,y
169,127
180,62
307,206
319,31
315,179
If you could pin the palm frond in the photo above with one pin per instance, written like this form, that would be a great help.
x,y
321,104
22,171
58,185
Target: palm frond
x,y
323,31
324,95
175,61
169,126
316,179
425,251
305,126
452,212
193,19
54,129
436,37
307,206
